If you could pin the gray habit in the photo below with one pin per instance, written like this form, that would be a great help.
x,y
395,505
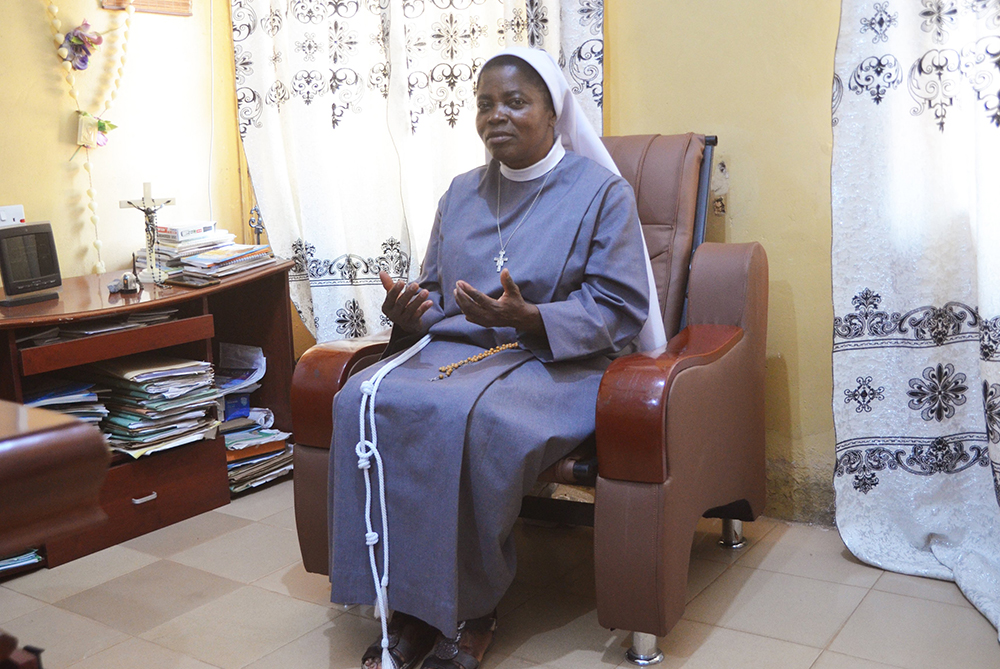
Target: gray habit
x,y
460,453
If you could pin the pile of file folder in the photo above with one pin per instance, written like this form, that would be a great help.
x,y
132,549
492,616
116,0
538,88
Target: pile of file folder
x,y
156,402
80,399
255,452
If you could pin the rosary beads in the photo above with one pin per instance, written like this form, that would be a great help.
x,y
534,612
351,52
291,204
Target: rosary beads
x,y
448,369
104,103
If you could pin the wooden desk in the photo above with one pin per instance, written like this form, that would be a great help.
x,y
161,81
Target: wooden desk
x,y
252,308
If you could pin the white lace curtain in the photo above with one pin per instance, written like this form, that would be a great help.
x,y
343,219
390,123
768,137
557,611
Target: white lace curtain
x,y
916,289
355,116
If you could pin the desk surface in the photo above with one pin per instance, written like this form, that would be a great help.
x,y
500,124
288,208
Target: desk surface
x,y
88,297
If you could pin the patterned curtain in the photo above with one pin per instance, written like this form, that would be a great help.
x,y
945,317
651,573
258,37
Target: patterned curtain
x,y
355,116
916,289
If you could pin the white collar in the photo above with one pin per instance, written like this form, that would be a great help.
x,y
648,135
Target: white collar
x,y
540,168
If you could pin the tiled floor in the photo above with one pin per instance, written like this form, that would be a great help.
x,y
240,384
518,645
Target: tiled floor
x,y
227,589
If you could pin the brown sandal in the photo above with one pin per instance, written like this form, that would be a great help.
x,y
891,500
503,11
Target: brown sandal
x,y
409,640
448,653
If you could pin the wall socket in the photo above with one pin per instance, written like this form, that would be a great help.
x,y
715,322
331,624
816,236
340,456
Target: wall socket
x,y
11,215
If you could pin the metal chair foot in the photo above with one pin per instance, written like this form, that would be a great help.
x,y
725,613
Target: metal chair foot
x,y
732,534
644,651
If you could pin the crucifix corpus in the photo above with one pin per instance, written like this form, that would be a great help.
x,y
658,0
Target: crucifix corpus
x,y
148,206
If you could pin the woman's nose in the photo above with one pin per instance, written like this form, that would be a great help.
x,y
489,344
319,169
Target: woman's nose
x,y
498,115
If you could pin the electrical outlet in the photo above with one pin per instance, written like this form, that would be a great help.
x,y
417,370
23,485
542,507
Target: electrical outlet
x,y
11,215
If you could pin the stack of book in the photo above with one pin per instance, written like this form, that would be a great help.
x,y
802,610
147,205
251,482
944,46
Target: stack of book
x,y
227,260
79,399
255,453
176,241
156,402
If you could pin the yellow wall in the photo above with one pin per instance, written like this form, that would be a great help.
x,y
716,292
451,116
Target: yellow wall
x,y
167,132
758,76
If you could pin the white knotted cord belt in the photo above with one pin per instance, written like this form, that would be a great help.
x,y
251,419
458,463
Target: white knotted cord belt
x,y
365,450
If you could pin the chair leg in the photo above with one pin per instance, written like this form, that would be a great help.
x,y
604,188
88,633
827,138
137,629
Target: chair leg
x,y
732,534
644,651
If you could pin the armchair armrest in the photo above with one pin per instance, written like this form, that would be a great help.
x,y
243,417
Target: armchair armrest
x,y
319,374
632,401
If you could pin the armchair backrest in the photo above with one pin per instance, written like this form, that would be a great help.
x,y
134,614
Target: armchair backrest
x,y
664,172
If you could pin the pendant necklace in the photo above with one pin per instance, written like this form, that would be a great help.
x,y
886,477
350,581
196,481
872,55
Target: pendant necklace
x,y
502,257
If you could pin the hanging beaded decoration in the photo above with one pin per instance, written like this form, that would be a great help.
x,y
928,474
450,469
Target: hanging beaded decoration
x,y
104,104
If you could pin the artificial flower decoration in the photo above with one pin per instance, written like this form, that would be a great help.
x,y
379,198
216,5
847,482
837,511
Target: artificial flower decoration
x,y
93,131
79,44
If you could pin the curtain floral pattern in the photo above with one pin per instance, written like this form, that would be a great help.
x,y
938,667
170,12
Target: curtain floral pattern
x,y
355,116
916,289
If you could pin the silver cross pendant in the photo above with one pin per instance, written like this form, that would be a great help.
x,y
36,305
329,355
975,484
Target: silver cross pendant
x,y
500,259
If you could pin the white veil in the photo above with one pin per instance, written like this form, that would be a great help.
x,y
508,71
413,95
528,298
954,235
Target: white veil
x,y
577,135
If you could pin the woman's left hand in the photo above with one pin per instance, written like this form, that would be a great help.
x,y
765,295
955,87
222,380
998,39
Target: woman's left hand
x,y
509,311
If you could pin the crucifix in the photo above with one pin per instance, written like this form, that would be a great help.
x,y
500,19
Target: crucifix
x,y
500,259
148,206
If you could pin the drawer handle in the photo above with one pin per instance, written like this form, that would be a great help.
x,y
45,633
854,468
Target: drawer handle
x,y
142,500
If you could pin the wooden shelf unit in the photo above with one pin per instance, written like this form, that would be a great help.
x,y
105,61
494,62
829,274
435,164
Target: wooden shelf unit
x,y
142,495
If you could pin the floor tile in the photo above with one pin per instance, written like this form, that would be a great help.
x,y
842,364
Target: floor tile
x,y
701,574
561,631
244,555
923,588
545,553
66,637
136,654
337,645
14,604
295,581
918,634
51,585
495,661
147,597
261,502
831,660
709,530
285,519
810,551
693,645
185,534
239,628
781,606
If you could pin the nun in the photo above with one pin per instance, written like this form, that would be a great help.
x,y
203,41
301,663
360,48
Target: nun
x,y
535,274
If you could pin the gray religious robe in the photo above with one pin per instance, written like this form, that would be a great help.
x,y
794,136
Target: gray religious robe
x,y
459,453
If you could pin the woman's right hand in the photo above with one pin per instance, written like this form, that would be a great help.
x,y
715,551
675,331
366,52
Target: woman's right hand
x,y
404,303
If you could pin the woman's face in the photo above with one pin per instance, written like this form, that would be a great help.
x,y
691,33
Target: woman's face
x,y
514,118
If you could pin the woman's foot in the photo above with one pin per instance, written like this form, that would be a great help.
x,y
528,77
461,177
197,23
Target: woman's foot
x,y
409,640
467,649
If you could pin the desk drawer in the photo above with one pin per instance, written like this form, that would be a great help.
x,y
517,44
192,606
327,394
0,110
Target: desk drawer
x,y
149,493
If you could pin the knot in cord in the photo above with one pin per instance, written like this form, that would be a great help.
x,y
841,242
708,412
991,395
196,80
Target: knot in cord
x,y
368,388
371,538
364,450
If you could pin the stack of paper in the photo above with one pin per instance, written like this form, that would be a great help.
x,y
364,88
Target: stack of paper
x,y
156,402
255,471
227,260
20,561
255,453
78,329
76,398
170,254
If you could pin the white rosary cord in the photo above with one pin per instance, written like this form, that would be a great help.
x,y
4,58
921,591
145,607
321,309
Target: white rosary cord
x,y
365,450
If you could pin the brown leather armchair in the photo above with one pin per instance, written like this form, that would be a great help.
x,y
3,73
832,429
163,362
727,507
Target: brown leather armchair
x,y
680,432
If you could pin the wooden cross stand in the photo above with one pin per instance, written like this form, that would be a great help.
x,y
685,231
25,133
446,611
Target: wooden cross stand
x,y
148,206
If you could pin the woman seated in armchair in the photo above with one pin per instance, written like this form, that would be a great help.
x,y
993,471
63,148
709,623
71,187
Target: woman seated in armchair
x,y
535,273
